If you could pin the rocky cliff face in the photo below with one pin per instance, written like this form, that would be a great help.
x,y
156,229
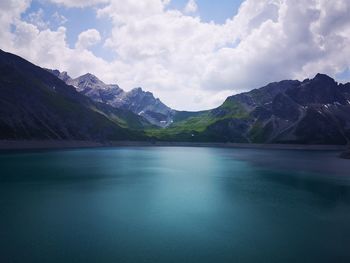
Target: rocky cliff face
x,y
138,101
145,104
61,75
314,111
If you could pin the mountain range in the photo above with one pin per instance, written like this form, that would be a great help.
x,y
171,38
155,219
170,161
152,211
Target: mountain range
x,y
37,103
138,101
314,111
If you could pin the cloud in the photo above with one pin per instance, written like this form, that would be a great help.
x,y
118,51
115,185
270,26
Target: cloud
x,y
188,63
88,38
165,49
37,19
191,6
10,11
59,19
79,3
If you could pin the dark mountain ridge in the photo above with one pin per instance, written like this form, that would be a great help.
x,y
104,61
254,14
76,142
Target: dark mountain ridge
x,y
35,104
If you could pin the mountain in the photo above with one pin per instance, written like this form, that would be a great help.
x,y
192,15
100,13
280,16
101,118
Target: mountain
x,y
145,104
314,111
39,104
35,104
140,102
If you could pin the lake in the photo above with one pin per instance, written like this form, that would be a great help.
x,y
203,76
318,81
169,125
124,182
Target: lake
x,y
174,204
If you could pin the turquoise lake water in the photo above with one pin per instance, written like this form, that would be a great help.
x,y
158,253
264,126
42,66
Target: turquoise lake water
x,y
178,204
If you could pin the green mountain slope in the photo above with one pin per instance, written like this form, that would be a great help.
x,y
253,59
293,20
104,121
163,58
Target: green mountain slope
x,y
195,126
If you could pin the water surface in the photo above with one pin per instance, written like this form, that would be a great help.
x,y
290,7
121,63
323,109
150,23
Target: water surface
x,y
177,204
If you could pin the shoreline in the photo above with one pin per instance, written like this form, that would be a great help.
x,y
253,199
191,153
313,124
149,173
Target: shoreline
x,y
55,144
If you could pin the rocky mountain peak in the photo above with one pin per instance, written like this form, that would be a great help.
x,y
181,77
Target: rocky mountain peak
x,y
322,89
88,77
64,76
323,78
137,90
61,75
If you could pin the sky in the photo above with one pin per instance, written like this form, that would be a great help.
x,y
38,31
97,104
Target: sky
x,y
191,54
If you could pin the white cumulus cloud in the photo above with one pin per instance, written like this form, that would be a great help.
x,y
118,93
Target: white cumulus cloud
x,y
79,3
191,6
88,38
